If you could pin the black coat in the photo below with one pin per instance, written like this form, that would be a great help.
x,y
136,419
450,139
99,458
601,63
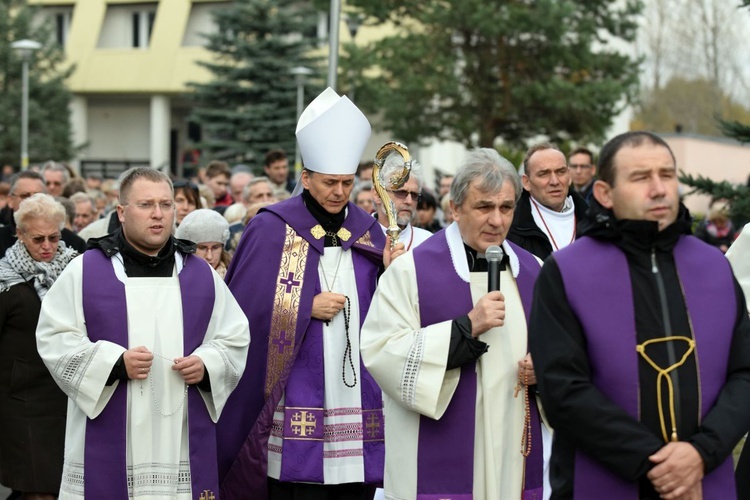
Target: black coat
x,y
558,347
526,234
32,407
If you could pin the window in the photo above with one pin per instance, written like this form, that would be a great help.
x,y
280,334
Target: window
x,y
127,26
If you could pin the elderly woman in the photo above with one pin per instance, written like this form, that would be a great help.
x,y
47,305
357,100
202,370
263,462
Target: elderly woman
x,y
33,412
209,231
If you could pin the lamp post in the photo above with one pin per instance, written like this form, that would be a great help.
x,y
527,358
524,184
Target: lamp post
x,y
24,49
300,78
333,43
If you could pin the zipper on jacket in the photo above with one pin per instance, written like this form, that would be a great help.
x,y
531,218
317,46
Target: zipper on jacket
x,y
667,331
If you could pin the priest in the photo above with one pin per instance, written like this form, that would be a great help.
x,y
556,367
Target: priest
x,y
451,357
306,421
148,343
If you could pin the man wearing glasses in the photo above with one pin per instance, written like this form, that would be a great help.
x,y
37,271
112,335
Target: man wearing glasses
x,y
583,170
23,185
147,342
405,200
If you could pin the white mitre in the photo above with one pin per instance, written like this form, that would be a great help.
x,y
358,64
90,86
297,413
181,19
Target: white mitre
x,y
332,134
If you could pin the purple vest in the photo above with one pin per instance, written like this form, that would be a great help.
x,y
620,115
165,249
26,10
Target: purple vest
x,y
706,280
105,313
450,476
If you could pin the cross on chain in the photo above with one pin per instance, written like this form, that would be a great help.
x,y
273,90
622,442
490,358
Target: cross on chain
x,y
289,282
300,423
372,425
282,342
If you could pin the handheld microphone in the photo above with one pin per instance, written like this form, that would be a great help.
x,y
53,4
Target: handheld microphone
x,y
494,256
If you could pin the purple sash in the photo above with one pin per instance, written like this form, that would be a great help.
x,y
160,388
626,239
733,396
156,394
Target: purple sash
x,y
442,475
105,312
706,280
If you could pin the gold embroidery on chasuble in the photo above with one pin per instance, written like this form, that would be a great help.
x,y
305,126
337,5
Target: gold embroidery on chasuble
x,y
365,240
285,306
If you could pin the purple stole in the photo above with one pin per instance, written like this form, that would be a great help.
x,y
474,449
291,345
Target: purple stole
x,y
274,276
105,313
708,289
449,475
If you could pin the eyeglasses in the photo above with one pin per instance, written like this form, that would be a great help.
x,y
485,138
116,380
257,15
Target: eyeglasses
x,y
23,196
582,166
39,240
401,194
150,206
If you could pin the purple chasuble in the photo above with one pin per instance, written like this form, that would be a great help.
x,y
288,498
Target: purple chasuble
x,y
708,289
106,317
274,277
449,475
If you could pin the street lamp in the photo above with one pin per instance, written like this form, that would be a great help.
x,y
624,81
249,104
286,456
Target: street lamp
x,y
300,78
333,43
24,49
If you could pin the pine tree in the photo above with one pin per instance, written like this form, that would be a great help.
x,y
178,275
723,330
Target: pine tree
x,y
738,195
250,105
49,99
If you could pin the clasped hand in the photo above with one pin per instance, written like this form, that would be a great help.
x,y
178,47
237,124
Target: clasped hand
x,y
326,305
138,362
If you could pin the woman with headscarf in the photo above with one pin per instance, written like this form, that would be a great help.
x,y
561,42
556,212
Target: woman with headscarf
x,y
210,232
33,408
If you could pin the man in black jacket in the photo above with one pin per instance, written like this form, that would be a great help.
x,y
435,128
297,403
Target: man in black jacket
x,y
548,213
23,185
620,321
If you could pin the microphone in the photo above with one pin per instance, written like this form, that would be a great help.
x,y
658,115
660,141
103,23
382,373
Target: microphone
x,y
494,256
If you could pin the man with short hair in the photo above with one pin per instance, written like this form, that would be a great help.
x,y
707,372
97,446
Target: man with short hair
x,y
306,420
23,185
217,178
405,200
258,190
276,168
451,357
55,177
147,342
237,184
548,213
583,169
641,342
85,212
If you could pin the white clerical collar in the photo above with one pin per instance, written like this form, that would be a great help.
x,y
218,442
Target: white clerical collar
x,y
458,254
567,210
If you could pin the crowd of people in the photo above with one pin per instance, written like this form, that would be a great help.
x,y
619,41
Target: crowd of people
x,y
554,333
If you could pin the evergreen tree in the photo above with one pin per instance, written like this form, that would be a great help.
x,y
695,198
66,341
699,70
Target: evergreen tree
x,y
738,195
49,123
250,105
475,70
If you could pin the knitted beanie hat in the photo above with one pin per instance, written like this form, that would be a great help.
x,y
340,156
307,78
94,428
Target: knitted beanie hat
x,y
203,225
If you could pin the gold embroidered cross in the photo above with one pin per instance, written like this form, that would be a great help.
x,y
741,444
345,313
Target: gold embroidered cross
x,y
372,425
301,423
207,495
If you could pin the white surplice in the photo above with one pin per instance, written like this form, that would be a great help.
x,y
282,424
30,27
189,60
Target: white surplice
x,y
157,432
395,348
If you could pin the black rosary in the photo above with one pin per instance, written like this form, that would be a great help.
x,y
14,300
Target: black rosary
x,y
348,350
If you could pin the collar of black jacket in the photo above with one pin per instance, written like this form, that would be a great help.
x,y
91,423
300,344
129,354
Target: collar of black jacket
x,y
115,242
635,235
